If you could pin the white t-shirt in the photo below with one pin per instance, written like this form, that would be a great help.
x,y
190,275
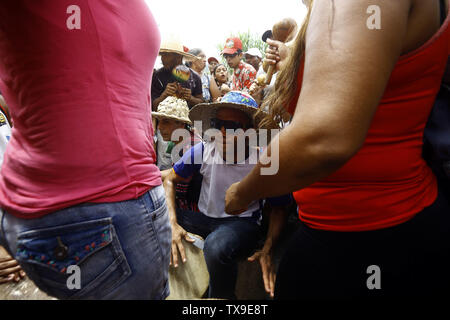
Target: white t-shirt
x,y
164,159
218,176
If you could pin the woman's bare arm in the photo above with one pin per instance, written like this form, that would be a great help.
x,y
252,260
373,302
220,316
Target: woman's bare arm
x,y
347,67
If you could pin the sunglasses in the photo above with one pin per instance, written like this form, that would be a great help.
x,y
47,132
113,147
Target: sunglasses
x,y
226,124
226,55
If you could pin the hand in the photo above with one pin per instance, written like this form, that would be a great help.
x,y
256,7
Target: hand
x,y
224,89
256,89
276,53
234,204
178,233
268,271
186,94
10,269
170,90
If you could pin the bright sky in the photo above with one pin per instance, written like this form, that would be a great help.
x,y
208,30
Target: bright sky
x,y
206,23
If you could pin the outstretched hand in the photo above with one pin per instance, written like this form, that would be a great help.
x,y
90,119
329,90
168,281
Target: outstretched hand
x,y
178,234
268,271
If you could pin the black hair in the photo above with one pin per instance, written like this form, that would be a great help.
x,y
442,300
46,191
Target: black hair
x,y
215,68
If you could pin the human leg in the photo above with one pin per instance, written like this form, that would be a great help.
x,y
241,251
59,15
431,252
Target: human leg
x,y
231,240
195,222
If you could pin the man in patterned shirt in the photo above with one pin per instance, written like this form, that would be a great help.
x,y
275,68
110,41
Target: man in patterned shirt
x,y
244,74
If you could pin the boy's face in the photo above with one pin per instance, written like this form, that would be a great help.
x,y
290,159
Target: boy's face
x,y
168,126
233,60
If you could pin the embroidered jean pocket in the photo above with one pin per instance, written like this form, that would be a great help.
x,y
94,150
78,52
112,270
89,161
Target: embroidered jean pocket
x,y
48,254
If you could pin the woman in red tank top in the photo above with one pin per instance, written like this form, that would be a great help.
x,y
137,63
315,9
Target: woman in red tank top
x,y
360,82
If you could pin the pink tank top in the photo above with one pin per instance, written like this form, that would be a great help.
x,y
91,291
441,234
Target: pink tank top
x,y
76,75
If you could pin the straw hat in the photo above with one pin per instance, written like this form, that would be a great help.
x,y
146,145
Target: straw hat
x,y
173,108
173,45
234,99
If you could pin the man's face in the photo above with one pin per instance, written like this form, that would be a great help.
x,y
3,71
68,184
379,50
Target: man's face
x,y
170,60
233,60
168,126
235,117
212,65
253,60
200,63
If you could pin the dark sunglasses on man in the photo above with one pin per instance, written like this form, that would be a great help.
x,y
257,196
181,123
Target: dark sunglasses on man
x,y
227,55
226,124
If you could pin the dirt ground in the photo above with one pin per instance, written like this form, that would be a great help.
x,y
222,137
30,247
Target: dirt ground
x,y
24,290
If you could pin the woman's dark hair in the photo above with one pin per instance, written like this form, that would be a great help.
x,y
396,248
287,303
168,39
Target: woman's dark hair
x,y
215,68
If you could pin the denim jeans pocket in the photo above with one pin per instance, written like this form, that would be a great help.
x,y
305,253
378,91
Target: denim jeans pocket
x,y
48,255
159,226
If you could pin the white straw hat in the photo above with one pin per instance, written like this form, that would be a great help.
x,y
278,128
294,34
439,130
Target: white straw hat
x,y
172,44
173,108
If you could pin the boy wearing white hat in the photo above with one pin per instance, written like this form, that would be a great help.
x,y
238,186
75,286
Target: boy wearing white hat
x,y
173,114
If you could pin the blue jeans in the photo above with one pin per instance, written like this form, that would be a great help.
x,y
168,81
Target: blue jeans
x,y
227,240
122,249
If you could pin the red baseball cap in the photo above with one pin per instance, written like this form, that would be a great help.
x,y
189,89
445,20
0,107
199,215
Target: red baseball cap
x,y
212,59
232,45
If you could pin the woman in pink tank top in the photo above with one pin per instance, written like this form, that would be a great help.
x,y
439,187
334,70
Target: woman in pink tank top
x,y
79,188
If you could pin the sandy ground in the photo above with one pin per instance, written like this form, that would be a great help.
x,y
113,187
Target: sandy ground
x,y
24,290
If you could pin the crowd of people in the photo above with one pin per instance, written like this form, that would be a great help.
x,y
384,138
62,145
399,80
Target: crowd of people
x,y
111,164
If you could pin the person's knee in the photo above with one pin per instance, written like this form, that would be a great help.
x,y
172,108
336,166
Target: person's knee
x,y
218,250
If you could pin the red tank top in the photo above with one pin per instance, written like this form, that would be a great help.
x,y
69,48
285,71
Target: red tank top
x,y
387,182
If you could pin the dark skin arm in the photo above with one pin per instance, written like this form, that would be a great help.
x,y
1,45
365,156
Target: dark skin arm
x,y
214,89
170,90
186,94
178,233
347,67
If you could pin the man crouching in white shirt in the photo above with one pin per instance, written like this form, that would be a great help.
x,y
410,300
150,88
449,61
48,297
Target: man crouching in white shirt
x,y
227,238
